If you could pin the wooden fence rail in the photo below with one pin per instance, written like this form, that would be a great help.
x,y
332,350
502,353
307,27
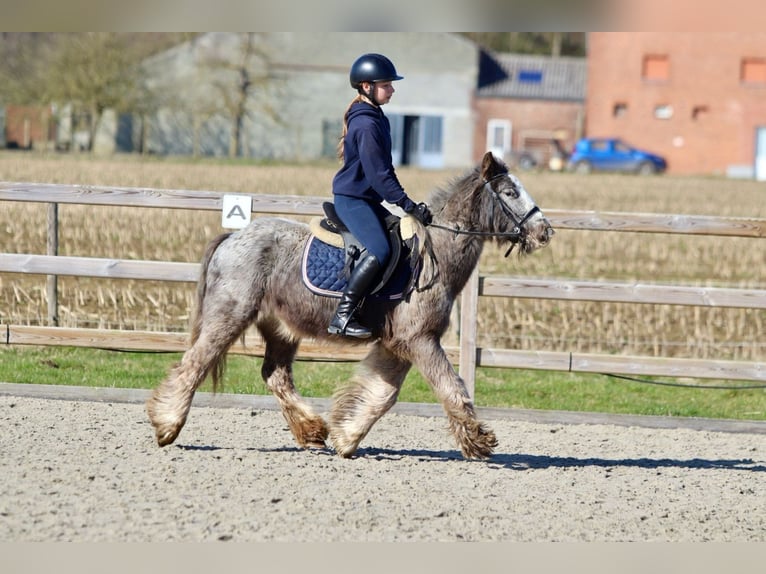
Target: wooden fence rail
x,y
494,286
468,355
330,352
304,205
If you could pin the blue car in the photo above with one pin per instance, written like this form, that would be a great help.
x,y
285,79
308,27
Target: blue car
x,y
612,154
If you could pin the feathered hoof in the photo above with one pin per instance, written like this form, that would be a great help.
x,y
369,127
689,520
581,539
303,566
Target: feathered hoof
x,y
345,453
166,421
481,446
166,435
312,433
343,445
316,444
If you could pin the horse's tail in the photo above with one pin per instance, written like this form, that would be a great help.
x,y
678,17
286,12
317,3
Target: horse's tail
x,y
196,323
218,367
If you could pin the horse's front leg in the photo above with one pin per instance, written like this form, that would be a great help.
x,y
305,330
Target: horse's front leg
x,y
475,439
369,395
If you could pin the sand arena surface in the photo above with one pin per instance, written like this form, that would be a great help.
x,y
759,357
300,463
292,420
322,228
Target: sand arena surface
x,y
91,471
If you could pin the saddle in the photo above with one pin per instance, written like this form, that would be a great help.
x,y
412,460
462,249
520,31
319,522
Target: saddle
x,y
332,251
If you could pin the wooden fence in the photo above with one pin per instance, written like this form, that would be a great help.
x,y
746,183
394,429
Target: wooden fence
x,y
468,355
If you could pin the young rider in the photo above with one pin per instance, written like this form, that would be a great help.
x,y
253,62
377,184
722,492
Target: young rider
x,y
365,180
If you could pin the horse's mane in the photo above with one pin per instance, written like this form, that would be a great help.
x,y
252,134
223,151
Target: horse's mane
x,y
441,195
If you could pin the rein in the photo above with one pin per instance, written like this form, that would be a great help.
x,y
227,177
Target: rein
x,y
513,235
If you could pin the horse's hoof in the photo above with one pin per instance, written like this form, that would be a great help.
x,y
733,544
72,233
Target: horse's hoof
x,y
317,444
344,447
482,446
166,437
475,440
310,433
345,454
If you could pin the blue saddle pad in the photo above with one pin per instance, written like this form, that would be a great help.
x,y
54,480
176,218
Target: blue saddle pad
x,y
322,270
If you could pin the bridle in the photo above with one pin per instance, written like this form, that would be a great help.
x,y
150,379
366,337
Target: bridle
x,y
513,235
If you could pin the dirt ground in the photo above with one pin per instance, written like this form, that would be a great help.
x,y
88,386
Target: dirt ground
x,y
90,471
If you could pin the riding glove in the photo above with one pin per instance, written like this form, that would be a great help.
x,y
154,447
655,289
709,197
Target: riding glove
x,y
421,213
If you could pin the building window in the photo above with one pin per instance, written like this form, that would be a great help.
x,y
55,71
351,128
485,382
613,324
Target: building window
x,y
530,76
499,137
663,112
432,134
619,109
698,112
656,68
753,71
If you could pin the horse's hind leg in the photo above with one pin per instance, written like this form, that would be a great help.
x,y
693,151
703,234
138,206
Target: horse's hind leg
x,y
308,428
170,402
370,394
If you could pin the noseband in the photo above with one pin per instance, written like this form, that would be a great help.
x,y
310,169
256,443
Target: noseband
x,y
514,235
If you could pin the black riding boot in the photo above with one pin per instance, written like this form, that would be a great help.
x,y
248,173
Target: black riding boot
x,y
362,278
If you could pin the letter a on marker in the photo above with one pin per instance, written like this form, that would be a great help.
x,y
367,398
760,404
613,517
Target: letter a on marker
x,y
236,211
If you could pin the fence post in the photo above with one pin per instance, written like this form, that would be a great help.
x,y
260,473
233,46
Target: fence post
x,y
53,249
469,306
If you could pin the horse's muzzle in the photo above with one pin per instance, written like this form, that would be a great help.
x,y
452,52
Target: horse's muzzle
x,y
538,234
547,234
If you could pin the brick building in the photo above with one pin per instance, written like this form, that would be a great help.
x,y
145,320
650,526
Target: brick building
x,y
27,126
524,102
699,99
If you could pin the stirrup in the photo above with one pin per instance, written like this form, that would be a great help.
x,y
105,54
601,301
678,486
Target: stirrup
x,y
351,329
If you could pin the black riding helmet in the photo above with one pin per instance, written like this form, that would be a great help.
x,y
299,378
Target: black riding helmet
x,y
372,68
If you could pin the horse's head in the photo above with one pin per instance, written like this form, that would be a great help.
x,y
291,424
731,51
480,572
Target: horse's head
x,y
519,215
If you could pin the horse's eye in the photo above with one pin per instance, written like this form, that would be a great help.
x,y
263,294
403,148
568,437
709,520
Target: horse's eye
x,y
511,191
513,187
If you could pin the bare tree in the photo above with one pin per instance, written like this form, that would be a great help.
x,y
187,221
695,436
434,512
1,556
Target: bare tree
x,y
22,57
93,72
235,81
84,73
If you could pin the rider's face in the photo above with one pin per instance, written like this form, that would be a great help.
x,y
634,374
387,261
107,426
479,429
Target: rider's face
x,y
383,91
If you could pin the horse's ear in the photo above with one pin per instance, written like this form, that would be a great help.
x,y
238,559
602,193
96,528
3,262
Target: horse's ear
x,y
491,166
487,161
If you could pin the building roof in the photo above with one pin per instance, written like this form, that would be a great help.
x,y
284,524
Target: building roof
x,y
532,77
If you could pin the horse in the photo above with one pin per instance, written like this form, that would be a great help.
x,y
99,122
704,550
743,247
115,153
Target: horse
x,y
253,276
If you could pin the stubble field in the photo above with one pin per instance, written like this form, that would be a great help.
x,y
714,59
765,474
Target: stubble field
x,y
180,235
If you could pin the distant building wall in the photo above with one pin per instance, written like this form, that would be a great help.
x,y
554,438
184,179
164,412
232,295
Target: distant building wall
x,y
696,98
309,92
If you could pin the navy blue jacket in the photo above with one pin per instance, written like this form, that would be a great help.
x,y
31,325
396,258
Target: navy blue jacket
x,y
368,171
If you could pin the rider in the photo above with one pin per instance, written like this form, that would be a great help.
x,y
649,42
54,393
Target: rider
x,y
365,180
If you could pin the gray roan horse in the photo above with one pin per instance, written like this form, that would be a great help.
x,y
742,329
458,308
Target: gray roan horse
x,y
253,276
